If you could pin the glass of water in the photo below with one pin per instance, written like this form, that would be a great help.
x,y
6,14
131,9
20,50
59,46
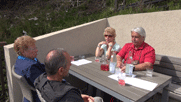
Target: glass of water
x,y
149,72
117,70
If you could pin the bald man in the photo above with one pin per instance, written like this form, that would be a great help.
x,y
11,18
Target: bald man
x,y
51,84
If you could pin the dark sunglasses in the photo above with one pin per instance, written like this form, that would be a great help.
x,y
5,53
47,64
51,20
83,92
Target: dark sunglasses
x,y
108,35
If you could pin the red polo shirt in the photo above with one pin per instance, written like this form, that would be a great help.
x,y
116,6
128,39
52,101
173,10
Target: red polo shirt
x,y
145,53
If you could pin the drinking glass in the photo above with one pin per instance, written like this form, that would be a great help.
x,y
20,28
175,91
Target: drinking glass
x,y
97,59
105,67
121,79
117,70
81,56
72,58
149,72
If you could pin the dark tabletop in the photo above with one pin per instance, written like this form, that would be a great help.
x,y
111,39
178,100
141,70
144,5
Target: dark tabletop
x,y
92,74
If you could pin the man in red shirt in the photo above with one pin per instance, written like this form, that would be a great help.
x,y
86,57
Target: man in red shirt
x,y
143,54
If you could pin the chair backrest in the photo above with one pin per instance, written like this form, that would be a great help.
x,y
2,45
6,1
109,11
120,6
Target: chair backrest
x,y
25,87
39,95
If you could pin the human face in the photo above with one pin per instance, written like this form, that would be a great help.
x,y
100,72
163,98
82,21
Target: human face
x,y
109,38
66,70
136,39
31,52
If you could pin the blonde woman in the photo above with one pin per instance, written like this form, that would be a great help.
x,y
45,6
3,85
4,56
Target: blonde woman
x,y
109,45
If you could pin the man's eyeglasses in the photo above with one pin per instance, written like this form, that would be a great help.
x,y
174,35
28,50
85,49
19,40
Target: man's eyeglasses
x,y
108,36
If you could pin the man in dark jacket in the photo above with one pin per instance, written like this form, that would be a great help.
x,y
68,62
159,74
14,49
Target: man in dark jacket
x,y
53,87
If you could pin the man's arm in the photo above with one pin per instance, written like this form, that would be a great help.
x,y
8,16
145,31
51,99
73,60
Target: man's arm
x,y
148,61
143,66
120,55
119,61
72,96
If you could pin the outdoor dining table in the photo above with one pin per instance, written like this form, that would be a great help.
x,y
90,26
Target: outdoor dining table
x,y
91,74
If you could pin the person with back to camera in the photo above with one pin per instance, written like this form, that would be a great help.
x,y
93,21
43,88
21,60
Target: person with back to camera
x,y
143,54
53,87
27,64
109,45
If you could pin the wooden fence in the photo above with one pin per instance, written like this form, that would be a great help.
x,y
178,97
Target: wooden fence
x,y
2,75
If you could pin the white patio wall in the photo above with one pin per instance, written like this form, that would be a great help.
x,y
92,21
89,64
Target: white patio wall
x,y
163,30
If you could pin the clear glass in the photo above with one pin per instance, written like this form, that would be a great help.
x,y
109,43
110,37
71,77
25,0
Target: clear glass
x,y
149,72
81,56
97,59
72,58
129,69
121,79
117,71
112,67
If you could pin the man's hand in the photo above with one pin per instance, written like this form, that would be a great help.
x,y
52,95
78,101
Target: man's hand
x,y
123,68
87,98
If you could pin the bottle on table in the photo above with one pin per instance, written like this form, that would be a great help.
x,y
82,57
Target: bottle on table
x,y
129,64
112,64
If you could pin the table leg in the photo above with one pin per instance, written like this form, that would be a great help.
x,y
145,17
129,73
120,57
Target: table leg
x,y
90,90
99,93
165,95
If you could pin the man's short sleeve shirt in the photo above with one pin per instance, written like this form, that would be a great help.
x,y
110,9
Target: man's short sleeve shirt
x,y
145,53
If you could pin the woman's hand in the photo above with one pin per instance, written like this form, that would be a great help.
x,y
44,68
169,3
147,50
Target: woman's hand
x,y
99,50
102,42
111,44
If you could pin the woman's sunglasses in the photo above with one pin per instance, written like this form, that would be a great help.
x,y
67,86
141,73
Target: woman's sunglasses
x,y
108,36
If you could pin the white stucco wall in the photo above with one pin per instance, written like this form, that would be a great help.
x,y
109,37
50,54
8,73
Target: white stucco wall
x,y
163,30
